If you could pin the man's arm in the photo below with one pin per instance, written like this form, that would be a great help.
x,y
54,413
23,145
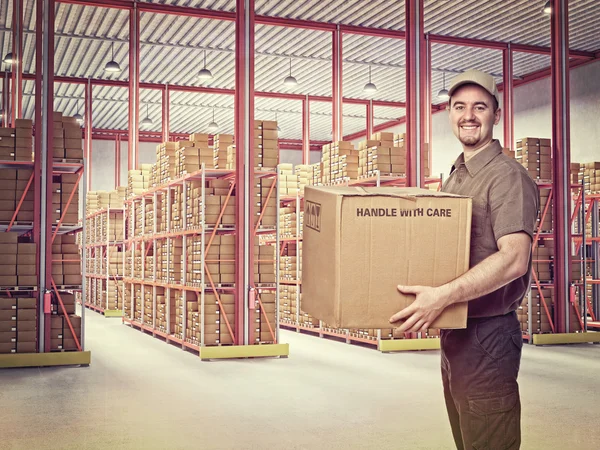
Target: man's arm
x,y
510,262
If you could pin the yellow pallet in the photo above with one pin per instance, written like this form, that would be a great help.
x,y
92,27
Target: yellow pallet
x,y
402,345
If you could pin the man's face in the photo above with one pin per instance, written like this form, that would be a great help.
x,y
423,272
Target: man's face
x,y
472,116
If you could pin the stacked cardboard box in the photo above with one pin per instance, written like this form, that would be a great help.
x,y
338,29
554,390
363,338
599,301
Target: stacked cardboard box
x,y
66,264
177,208
65,187
577,172
112,229
154,176
68,141
264,263
546,225
127,294
266,145
290,263
138,301
216,318
188,301
175,260
219,260
380,154
193,153
340,162
138,181
12,189
162,315
194,206
289,225
216,201
543,258
16,144
166,160
148,227
61,334
265,316
305,174
148,306
288,303
149,265
18,261
591,176
161,260
18,325
220,143
287,181
400,141
536,156
68,301
265,202
115,295
230,164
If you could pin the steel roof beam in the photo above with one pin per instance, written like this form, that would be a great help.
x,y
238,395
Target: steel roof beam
x,y
320,26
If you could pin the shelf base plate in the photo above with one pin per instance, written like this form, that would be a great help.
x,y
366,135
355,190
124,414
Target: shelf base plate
x,y
403,345
244,351
565,338
45,359
113,313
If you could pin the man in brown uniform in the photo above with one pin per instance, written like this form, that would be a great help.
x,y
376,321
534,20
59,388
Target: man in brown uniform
x,y
480,364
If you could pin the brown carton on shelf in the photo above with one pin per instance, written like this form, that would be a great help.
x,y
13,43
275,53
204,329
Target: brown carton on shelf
x,y
361,243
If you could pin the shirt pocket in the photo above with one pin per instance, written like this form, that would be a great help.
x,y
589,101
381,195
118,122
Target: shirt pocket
x,y
479,219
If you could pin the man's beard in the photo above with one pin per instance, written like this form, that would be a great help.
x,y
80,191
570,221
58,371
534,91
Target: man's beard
x,y
469,140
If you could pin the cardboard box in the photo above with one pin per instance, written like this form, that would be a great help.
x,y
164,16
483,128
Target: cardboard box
x,y
391,236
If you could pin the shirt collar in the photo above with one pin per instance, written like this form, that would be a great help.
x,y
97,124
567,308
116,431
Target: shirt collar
x,y
480,160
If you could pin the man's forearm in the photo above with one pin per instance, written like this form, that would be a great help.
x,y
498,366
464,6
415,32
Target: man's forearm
x,y
492,273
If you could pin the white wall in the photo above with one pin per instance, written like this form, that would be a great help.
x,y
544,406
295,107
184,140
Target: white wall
x,y
533,117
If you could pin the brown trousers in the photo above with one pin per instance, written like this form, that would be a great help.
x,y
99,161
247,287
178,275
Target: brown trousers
x,y
480,366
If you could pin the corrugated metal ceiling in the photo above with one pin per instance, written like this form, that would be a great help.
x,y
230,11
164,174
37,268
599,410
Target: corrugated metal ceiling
x,y
172,49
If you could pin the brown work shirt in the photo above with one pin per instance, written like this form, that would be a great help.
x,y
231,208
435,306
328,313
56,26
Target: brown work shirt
x,y
505,201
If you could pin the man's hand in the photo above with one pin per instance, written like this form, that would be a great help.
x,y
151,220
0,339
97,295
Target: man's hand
x,y
428,305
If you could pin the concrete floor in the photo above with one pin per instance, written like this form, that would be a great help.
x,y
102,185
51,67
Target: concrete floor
x,y
140,393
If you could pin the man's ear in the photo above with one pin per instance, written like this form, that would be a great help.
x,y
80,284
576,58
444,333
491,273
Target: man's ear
x,y
498,115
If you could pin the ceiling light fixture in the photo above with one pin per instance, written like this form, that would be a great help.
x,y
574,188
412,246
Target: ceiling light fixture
x,y
443,94
290,81
213,126
205,74
112,65
547,9
147,120
78,117
370,88
8,59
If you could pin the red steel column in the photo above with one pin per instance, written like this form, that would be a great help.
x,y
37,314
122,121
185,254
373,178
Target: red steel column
x,y
336,92
508,92
306,131
244,176
561,160
134,87
370,115
44,122
17,65
117,160
427,113
166,106
88,133
415,92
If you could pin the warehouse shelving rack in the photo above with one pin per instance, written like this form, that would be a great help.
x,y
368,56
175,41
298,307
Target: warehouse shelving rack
x,y
143,242
578,302
45,356
101,248
411,341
